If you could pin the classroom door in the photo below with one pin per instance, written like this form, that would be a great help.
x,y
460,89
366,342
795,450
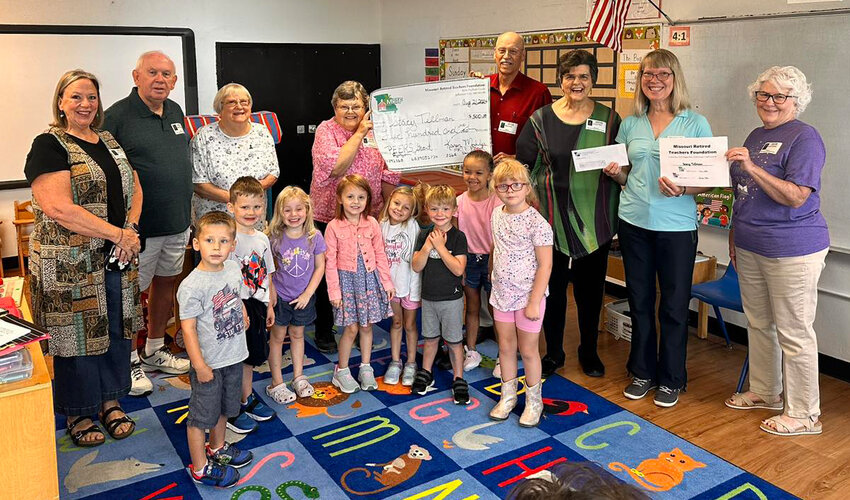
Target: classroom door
x,y
296,81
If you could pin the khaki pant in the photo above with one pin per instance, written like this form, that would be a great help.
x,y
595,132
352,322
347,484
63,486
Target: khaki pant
x,y
780,298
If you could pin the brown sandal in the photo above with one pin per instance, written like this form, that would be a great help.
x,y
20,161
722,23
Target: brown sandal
x,y
112,425
77,437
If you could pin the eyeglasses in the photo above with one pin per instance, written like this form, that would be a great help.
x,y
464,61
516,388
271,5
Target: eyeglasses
x,y
777,98
662,76
516,186
231,103
513,52
350,109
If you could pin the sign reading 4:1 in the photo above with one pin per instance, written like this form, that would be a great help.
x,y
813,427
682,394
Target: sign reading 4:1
x,y
679,36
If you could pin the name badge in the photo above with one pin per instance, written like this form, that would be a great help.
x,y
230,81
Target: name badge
x,y
596,125
118,154
770,148
369,140
177,128
507,127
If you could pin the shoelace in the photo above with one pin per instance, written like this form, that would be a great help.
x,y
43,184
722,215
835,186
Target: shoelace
x,y
665,389
137,372
641,381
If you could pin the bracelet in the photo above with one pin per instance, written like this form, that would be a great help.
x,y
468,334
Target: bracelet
x,y
684,190
120,236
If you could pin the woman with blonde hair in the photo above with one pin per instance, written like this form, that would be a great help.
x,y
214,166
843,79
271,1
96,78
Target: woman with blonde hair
x,y
658,229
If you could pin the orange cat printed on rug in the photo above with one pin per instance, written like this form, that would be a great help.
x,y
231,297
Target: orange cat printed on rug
x,y
325,396
660,474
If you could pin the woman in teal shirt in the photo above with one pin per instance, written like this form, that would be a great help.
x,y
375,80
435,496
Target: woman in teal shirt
x,y
658,229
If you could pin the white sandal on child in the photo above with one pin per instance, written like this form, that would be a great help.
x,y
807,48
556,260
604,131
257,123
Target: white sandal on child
x,y
302,387
280,393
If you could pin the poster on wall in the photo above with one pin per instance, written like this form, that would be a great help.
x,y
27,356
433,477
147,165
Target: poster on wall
x,y
714,208
428,126
638,10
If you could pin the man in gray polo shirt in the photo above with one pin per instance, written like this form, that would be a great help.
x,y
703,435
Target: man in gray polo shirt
x,y
149,127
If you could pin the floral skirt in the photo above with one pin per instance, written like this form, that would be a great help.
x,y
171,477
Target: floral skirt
x,y
364,300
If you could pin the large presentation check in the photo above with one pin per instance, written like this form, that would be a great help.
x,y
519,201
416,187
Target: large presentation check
x,y
427,126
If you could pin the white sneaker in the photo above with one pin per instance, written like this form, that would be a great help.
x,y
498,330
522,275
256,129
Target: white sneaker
x,y
342,378
164,361
141,384
497,370
472,360
393,373
366,376
408,374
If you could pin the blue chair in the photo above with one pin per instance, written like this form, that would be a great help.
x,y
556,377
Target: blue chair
x,y
724,293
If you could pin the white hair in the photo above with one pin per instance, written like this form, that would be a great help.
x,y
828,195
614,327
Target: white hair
x,y
785,77
141,60
230,88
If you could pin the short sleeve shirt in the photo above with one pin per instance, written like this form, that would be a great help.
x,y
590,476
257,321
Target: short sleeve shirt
x,y
158,149
523,97
515,237
296,259
641,202
254,256
219,159
793,152
473,219
438,282
212,298
47,155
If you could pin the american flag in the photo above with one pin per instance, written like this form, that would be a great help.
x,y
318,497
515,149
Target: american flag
x,y
715,205
607,21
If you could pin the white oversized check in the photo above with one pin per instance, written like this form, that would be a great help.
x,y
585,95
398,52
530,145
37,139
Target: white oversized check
x,y
599,158
427,126
697,161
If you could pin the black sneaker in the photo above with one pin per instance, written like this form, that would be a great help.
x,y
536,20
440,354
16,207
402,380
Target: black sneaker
x,y
591,365
550,365
460,391
666,397
327,346
639,388
422,382
443,360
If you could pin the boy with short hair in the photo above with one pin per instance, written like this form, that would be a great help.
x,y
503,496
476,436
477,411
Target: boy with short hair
x,y
213,320
440,257
254,255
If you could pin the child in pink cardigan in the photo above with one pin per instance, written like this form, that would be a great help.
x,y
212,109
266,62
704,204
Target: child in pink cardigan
x,y
360,286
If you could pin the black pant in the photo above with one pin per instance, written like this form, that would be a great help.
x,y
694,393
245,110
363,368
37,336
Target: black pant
x,y
588,277
669,255
324,311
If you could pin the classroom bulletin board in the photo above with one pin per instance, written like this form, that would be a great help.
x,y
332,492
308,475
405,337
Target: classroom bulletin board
x,y
617,72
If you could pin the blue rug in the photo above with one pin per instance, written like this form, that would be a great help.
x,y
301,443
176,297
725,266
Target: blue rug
x,y
391,444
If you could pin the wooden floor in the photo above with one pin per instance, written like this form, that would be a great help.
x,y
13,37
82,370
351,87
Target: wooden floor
x,y
807,466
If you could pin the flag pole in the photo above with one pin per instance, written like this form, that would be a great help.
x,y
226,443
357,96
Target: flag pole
x,y
662,13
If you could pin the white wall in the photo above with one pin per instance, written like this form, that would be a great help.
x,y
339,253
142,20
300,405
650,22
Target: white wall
x,y
409,27
286,21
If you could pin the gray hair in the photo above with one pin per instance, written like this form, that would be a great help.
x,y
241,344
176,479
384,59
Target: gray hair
x,y
785,77
141,60
350,90
230,88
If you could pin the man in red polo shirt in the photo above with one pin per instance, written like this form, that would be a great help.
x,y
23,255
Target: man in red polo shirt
x,y
513,96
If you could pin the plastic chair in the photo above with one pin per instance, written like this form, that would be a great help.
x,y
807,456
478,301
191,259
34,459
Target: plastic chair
x,y
725,293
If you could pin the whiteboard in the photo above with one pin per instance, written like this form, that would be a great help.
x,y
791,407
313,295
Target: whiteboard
x,y
33,63
725,57
427,126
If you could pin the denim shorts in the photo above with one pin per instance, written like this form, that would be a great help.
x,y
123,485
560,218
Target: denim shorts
x,y
477,272
285,313
220,396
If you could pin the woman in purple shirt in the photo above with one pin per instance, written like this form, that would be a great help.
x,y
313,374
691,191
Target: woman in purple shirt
x,y
778,244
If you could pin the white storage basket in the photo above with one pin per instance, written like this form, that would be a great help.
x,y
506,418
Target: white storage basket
x,y
617,319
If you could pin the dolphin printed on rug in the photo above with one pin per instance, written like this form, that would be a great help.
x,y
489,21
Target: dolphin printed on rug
x,y
84,473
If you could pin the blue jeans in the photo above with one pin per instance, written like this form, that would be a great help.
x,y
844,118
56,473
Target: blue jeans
x,y
81,384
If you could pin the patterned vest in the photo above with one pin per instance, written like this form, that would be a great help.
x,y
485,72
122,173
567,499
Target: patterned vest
x,y
67,282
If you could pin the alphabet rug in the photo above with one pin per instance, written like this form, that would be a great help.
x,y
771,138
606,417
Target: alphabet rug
x,y
389,443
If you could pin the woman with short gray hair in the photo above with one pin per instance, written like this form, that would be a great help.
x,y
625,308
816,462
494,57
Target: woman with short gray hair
x,y
228,149
778,245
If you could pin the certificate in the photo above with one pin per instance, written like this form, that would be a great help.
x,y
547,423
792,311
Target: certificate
x,y
599,158
427,126
698,161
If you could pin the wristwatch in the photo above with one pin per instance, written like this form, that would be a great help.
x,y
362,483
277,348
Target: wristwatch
x,y
133,226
